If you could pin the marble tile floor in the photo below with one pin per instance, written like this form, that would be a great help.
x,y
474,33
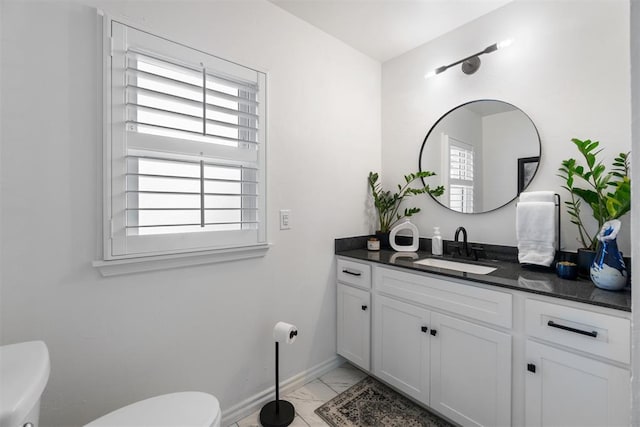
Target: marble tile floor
x,y
312,395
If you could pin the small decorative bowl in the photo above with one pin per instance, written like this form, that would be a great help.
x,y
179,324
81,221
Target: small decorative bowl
x,y
567,270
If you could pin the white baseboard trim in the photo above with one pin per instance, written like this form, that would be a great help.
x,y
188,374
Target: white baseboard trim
x,y
257,401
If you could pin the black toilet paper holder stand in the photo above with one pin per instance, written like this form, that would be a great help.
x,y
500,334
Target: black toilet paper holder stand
x,y
278,413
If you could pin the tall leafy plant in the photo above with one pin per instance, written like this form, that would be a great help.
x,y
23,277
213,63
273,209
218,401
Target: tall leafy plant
x,y
608,194
388,204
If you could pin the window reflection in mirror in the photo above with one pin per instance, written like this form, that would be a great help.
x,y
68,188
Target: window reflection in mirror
x,y
475,149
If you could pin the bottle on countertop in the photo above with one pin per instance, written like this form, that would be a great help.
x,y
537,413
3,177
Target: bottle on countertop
x,y
436,242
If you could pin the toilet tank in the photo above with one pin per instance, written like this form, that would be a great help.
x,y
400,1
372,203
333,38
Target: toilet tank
x,y
24,372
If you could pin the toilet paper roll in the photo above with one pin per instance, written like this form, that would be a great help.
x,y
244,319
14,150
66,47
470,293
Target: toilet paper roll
x,y
285,332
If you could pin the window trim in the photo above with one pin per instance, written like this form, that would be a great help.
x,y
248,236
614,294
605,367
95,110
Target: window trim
x,y
110,265
164,262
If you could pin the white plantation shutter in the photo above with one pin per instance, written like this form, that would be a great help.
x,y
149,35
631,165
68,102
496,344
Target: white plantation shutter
x,y
460,176
187,147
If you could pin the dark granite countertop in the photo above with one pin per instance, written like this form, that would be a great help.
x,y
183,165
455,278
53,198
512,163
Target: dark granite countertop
x,y
510,275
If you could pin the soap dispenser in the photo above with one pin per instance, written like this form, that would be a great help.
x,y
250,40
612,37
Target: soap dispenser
x,y
436,242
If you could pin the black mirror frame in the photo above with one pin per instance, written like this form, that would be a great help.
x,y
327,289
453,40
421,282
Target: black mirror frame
x,y
520,178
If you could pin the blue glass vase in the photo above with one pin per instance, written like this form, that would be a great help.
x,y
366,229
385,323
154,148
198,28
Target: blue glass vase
x,y
608,270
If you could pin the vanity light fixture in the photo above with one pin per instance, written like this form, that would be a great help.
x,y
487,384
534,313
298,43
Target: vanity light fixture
x,y
470,64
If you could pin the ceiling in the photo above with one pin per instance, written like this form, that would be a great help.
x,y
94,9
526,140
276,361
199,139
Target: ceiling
x,y
384,29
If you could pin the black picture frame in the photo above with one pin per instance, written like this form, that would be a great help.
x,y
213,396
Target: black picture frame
x,y
527,167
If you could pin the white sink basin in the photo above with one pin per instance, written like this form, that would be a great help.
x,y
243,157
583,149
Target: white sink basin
x,y
457,266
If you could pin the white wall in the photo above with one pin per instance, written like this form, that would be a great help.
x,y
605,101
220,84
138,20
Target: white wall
x,y
116,340
568,69
635,210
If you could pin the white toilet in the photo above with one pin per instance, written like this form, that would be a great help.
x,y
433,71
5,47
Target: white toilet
x,y
24,370
189,408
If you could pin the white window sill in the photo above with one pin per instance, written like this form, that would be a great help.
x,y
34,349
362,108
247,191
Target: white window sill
x,y
164,262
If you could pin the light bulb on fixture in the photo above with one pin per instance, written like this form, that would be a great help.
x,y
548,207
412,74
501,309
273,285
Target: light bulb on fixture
x,y
430,74
505,43
436,71
471,63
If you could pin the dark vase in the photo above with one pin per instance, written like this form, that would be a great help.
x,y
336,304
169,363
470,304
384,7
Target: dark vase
x,y
585,259
384,239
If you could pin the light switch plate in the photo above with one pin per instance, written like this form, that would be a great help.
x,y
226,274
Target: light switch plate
x,y
285,219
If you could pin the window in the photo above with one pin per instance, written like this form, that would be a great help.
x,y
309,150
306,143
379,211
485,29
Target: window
x,y
460,176
185,149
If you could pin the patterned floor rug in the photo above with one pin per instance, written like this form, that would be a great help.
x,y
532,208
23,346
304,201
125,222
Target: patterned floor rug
x,y
372,404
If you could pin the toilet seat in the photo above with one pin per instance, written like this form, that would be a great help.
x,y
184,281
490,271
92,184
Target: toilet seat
x,y
191,408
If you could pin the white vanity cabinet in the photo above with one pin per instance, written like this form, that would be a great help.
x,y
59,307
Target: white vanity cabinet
x,y
483,355
354,312
577,371
460,368
401,346
470,372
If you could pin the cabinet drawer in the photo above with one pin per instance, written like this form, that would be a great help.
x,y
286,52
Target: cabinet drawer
x,y
471,301
354,273
599,334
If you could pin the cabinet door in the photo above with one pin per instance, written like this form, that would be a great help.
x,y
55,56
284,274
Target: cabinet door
x,y
470,372
354,325
571,390
401,344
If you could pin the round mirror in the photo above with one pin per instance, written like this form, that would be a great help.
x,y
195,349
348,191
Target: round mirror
x,y
483,152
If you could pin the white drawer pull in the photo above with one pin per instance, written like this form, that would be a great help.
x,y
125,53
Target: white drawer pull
x,y
570,329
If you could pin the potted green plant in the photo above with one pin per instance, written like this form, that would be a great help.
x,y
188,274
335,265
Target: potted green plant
x,y
608,194
387,204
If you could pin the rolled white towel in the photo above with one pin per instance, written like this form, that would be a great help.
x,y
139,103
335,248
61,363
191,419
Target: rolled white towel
x,y
536,232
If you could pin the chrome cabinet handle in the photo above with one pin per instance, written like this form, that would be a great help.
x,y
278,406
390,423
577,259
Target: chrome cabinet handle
x,y
553,324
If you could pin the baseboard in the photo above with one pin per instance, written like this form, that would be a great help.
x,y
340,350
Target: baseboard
x,y
257,401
